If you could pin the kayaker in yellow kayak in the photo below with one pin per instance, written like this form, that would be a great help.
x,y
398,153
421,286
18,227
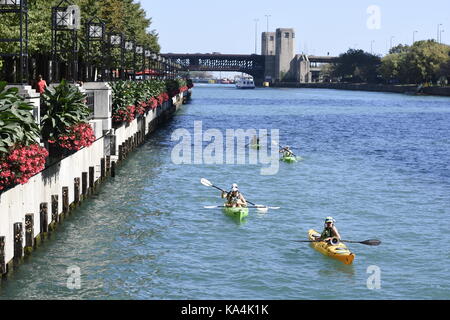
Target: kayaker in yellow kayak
x,y
286,151
234,197
330,231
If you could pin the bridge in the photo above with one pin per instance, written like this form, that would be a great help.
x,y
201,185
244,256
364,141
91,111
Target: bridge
x,y
253,65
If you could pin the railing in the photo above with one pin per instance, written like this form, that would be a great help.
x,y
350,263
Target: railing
x,y
90,102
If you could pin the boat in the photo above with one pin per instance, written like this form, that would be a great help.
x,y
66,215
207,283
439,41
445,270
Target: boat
x,y
338,251
245,83
289,159
236,212
255,146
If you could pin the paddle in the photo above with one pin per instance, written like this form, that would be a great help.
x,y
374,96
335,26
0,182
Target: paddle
x,y
371,242
214,207
258,207
253,142
281,147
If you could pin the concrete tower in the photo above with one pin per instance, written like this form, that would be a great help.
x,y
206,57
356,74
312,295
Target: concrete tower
x,y
268,44
284,53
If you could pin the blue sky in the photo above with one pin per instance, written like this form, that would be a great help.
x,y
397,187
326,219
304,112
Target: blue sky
x,y
321,26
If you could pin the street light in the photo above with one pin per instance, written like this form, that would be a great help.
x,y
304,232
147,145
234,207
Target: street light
x,y
95,32
371,46
440,36
438,31
267,18
391,41
256,35
414,34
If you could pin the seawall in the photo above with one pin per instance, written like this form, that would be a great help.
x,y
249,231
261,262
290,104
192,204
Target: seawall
x,y
408,89
29,212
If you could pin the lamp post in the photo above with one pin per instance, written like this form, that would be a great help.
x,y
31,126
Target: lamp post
x,y
20,8
138,52
438,32
414,37
371,46
392,37
147,56
267,18
440,35
256,35
95,32
116,40
66,19
129,46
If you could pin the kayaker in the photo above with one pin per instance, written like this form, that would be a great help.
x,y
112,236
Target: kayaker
x,y
234,197
286,151
330,231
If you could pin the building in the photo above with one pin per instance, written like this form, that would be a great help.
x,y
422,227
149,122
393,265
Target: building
x,y
281,63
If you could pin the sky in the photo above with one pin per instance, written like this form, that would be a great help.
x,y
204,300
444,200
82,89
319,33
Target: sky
x,y
321,26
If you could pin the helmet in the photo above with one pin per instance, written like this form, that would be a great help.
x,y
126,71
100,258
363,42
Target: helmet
x,y
329,219
234,187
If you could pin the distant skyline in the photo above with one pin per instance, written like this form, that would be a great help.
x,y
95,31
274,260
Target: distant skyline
x,y
322,27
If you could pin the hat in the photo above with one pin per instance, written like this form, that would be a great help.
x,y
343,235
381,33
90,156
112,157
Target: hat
x,y
329,219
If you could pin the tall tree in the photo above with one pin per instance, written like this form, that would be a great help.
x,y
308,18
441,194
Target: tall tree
x,y
357,66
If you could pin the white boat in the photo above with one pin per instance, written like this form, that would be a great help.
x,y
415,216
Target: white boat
x,y
245,83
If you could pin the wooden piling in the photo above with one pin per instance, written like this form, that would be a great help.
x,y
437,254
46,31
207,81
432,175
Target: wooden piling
x,y
91,178
2,256
29,233
55,214
113,169
102,168
18,242
76,190
108,164
84,181
120,153
43,214
65,200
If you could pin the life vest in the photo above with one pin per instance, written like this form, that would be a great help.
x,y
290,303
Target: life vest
x,y
233,199
327,233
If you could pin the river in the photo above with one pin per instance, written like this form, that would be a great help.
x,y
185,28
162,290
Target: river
x,y
379,163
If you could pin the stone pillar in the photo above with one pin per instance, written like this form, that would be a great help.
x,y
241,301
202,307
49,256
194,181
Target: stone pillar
x,y
102,102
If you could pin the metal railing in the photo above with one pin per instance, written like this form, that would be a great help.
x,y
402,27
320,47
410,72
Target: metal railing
x,y
90,98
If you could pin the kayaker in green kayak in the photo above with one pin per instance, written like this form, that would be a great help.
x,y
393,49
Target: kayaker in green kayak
x,y
234,198
330,231
286,151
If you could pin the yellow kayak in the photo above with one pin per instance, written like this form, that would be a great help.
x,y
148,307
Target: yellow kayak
x,y
339,251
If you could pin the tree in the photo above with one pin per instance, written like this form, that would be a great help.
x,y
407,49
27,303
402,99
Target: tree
x,y
357,66
125,16
391,66
424,60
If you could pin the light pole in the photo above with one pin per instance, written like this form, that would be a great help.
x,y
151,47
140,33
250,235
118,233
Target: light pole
x,y
414,36
371,46
440,35
256,35
267,18
438,31
392,37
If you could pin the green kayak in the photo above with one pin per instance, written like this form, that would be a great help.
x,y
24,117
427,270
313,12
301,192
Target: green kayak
x,y
254,146
289,159
238,213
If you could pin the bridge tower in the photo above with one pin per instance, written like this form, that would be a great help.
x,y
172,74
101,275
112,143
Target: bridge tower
x,y
284,54
268,44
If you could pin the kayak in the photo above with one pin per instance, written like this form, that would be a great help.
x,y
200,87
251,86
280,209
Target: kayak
x,y
339,251
290,159
238,213
254,146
